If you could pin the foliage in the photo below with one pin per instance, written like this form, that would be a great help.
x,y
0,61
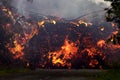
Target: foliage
x,y
113,15
109,75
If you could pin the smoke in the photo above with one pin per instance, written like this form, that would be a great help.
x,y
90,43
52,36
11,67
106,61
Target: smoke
x,y
101,2
62,8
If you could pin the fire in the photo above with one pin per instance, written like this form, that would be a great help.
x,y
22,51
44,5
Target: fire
x,y
9,13
74,23
67,51
53,21
91,54
91,51
78,23
41,23
85,23
101,43
4,9
102,28
93,63
115,32
28,64
113,24
17,50
80,45
33,32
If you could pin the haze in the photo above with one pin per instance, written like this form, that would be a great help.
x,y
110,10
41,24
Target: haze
x,y
62,8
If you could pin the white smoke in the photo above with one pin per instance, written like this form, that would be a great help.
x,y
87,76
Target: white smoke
x,y
61,8
101,2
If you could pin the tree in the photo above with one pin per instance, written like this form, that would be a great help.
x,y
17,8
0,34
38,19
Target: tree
x,y
113,15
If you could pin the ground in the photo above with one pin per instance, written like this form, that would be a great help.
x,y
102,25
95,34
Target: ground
x,y
56,74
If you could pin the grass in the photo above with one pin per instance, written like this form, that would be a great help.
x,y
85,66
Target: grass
x,y
113,74
7,71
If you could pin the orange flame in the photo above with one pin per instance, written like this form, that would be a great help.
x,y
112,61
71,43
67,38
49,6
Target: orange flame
x,y
101,43
93,63
113,24
9,13
41,23
85,23
54,22
74,23
67,51
17,50
81,22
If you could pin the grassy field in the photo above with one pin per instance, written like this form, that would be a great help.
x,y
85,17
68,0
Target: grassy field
x,y
57,74
9,72
112,74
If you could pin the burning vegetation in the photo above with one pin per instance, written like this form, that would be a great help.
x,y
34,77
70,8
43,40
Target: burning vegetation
x,y
64,55
52,42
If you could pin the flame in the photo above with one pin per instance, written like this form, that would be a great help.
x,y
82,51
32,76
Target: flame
x,y
54,22
67,51
115,32
17,50
4,9
9,13
102,28
113,47
28,64
93,63
101,43
41,23
91,51
91,54
33,32
81,22
113,24
85,23
74,23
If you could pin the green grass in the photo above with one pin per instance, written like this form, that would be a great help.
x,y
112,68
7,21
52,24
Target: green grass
x,y
9,71
109,75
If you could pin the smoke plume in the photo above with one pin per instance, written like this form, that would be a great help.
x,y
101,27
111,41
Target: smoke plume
x,y
62,8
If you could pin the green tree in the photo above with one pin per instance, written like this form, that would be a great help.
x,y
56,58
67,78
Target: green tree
x,y
113,15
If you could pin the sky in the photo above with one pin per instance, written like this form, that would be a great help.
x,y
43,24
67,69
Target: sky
x,y
61,8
